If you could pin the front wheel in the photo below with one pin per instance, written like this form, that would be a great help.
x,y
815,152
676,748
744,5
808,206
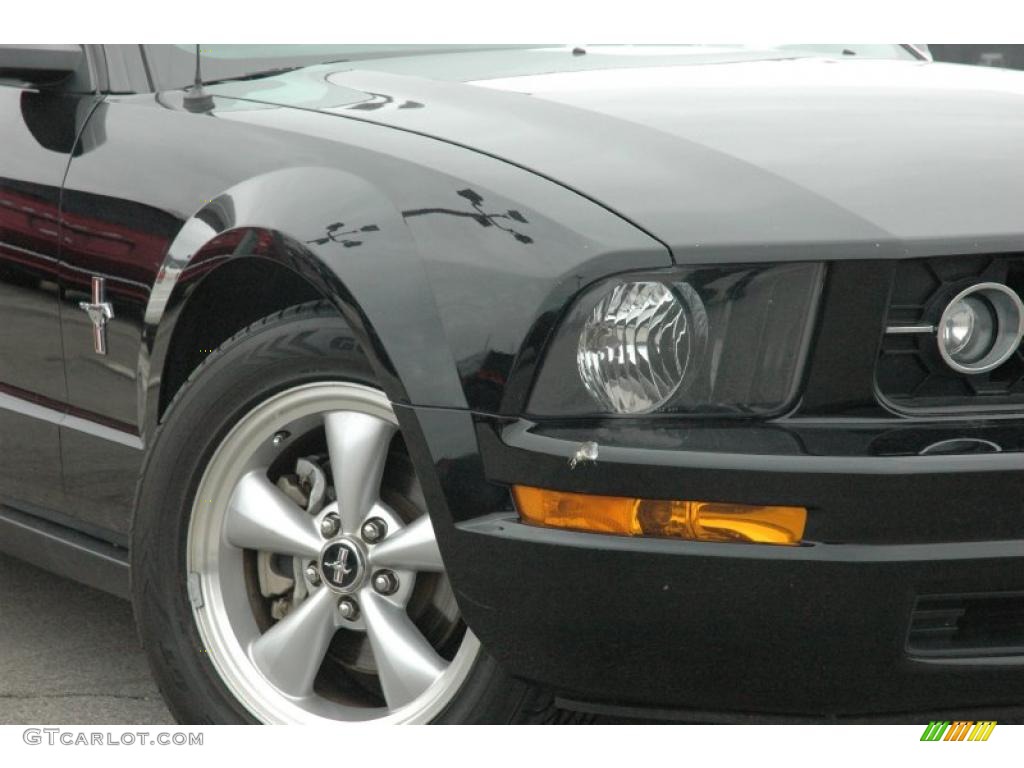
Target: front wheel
x,y
284,566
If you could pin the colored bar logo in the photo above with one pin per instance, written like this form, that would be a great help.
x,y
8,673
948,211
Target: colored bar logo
x,y
959,730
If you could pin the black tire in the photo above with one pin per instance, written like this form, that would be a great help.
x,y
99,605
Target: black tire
x,y
302,344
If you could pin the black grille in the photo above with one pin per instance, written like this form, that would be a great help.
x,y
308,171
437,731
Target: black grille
x,y
967,625
910,373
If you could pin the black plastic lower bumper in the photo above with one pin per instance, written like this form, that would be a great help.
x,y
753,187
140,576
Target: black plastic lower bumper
x,y
811,632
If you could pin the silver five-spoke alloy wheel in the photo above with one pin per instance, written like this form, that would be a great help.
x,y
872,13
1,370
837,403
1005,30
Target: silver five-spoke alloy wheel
x,y
275,577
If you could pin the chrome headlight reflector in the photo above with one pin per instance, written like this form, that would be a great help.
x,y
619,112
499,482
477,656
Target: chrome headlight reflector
x,y
638,344
695,340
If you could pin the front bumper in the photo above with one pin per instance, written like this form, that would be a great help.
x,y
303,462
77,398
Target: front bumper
x,y
817,631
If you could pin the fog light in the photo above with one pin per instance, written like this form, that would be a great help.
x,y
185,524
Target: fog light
x,y
693,520
980,328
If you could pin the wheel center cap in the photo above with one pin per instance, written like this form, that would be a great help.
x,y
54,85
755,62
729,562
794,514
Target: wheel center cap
x,y
341,564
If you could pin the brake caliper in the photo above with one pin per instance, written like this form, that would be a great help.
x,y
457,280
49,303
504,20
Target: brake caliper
x,y
307,488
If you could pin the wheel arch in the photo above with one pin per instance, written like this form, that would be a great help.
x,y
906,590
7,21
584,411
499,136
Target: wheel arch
x,y
224,300
252,243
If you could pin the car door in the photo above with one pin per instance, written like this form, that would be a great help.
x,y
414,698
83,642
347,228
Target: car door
x,y
38,129
112,249
115,239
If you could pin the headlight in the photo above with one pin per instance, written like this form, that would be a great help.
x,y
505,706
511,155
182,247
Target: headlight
x,y
694,340
639,343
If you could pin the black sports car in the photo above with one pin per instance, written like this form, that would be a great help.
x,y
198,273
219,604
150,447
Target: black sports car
x,y
523,383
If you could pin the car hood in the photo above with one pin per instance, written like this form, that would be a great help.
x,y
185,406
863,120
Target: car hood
x,y
798,158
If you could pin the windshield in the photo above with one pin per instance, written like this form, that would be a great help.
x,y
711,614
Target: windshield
x,y
173,66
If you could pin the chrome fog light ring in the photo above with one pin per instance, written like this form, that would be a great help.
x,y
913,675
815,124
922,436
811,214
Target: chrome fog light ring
x,y
980,328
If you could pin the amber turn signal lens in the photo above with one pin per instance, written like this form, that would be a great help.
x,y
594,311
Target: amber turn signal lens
x,y
694,520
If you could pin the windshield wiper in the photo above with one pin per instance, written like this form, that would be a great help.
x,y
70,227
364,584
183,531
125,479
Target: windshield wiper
x,y
252,75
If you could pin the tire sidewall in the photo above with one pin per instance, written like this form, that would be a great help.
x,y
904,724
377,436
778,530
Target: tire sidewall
x,y
302,345
284,351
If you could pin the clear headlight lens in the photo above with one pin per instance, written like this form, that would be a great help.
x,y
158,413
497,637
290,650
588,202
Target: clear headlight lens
x,y
694,340
638,344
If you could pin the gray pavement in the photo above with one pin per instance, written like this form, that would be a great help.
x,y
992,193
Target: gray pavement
x,y
69,654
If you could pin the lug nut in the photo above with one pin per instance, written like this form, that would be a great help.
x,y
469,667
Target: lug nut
x,y
313,574
374,530
348,608
385,582
330,525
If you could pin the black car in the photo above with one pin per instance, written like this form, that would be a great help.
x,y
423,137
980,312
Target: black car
x,y
515,383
